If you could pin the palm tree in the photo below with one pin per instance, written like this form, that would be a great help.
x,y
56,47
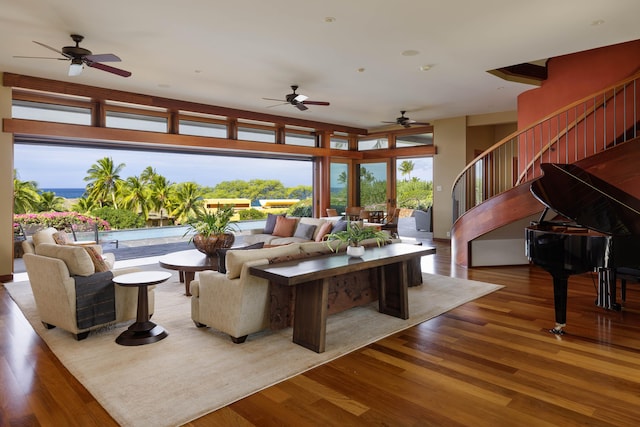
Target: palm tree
x,y
188,199
103,177
50,202
25,195
136,195
406,167
160,195
342,178
147,175
84,205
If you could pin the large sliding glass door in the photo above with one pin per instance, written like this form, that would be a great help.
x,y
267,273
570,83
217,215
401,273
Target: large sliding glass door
x,y
339,177
414,182
372,186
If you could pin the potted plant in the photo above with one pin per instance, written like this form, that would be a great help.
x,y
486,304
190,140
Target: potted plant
x,y
354,235
212,230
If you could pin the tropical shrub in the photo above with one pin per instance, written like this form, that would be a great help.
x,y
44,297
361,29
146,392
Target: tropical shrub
x,y
248,214
120,218
300,209
60,220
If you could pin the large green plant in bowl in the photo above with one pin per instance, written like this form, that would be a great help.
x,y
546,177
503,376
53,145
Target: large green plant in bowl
x,y
354,235
212,229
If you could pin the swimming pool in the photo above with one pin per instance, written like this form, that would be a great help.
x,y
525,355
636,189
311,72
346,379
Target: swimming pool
x,y
164,232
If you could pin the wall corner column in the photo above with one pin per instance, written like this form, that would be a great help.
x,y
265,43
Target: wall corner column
x,y
6,190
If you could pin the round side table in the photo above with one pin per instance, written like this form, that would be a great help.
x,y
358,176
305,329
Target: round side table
x,y
142,331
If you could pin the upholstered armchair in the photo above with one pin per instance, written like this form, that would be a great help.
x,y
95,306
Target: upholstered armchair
x,y
52,270
236,303
423,219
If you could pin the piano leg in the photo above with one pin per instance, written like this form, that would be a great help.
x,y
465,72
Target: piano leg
x,y
560,302
607,289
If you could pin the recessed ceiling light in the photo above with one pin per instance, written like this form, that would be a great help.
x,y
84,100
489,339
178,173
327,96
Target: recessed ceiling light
x,y
597,22
329,19
410,52
425,67
361,70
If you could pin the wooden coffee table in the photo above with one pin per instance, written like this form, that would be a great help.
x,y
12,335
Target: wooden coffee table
x,y
187,263
142,331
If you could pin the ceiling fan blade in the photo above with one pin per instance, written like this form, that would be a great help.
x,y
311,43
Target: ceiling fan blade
x,y
300,106
103,57
108,68
273,99
277,105
41,57
315,102
51,48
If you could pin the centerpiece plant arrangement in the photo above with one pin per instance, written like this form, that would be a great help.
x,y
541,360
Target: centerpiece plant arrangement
x,y
212,230
354,235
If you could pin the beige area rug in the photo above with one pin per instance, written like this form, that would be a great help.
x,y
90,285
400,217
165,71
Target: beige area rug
x,y
195,371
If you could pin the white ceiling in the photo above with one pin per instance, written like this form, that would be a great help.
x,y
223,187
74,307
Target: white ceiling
x,y
234,53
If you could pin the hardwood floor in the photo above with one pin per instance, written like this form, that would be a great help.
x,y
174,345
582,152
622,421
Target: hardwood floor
x,y
490,362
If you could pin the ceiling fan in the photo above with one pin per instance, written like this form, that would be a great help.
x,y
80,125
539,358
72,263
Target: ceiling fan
x,y
406,121
297,100
80,56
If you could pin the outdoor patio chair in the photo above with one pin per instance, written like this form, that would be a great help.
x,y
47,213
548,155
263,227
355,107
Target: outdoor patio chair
x,y
391,223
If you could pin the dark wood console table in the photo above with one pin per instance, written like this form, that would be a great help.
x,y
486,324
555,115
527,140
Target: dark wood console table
x,y
311,278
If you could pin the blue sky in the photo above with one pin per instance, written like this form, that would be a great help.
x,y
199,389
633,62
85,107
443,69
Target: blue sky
x,y
65,167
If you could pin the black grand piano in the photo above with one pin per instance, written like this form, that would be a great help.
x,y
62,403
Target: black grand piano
x,y
599,230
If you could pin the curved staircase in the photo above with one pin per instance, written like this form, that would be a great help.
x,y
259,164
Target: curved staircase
x,y
491,198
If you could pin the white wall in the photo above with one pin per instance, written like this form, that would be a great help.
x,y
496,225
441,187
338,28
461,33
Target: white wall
x,y
450,140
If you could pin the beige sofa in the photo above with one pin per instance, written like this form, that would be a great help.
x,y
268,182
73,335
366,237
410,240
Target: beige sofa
x,y
51,269
257,235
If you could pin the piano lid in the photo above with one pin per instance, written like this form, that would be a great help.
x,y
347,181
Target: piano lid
x,y
588,200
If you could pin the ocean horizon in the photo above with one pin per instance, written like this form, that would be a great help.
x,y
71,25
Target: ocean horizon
x,y
67,193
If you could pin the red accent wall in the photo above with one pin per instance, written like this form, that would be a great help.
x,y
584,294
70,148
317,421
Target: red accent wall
x,y
572,77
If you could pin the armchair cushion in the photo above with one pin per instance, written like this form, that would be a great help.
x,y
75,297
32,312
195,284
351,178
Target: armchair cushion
x,y
76,258
44,236
222,255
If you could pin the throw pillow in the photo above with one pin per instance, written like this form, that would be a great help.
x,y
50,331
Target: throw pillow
x,y
98,262
339,226
323,231
284,227
60,238
271,223
305,231
222,255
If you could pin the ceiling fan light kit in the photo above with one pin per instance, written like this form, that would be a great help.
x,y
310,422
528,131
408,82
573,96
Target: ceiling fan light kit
x,y
75,68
